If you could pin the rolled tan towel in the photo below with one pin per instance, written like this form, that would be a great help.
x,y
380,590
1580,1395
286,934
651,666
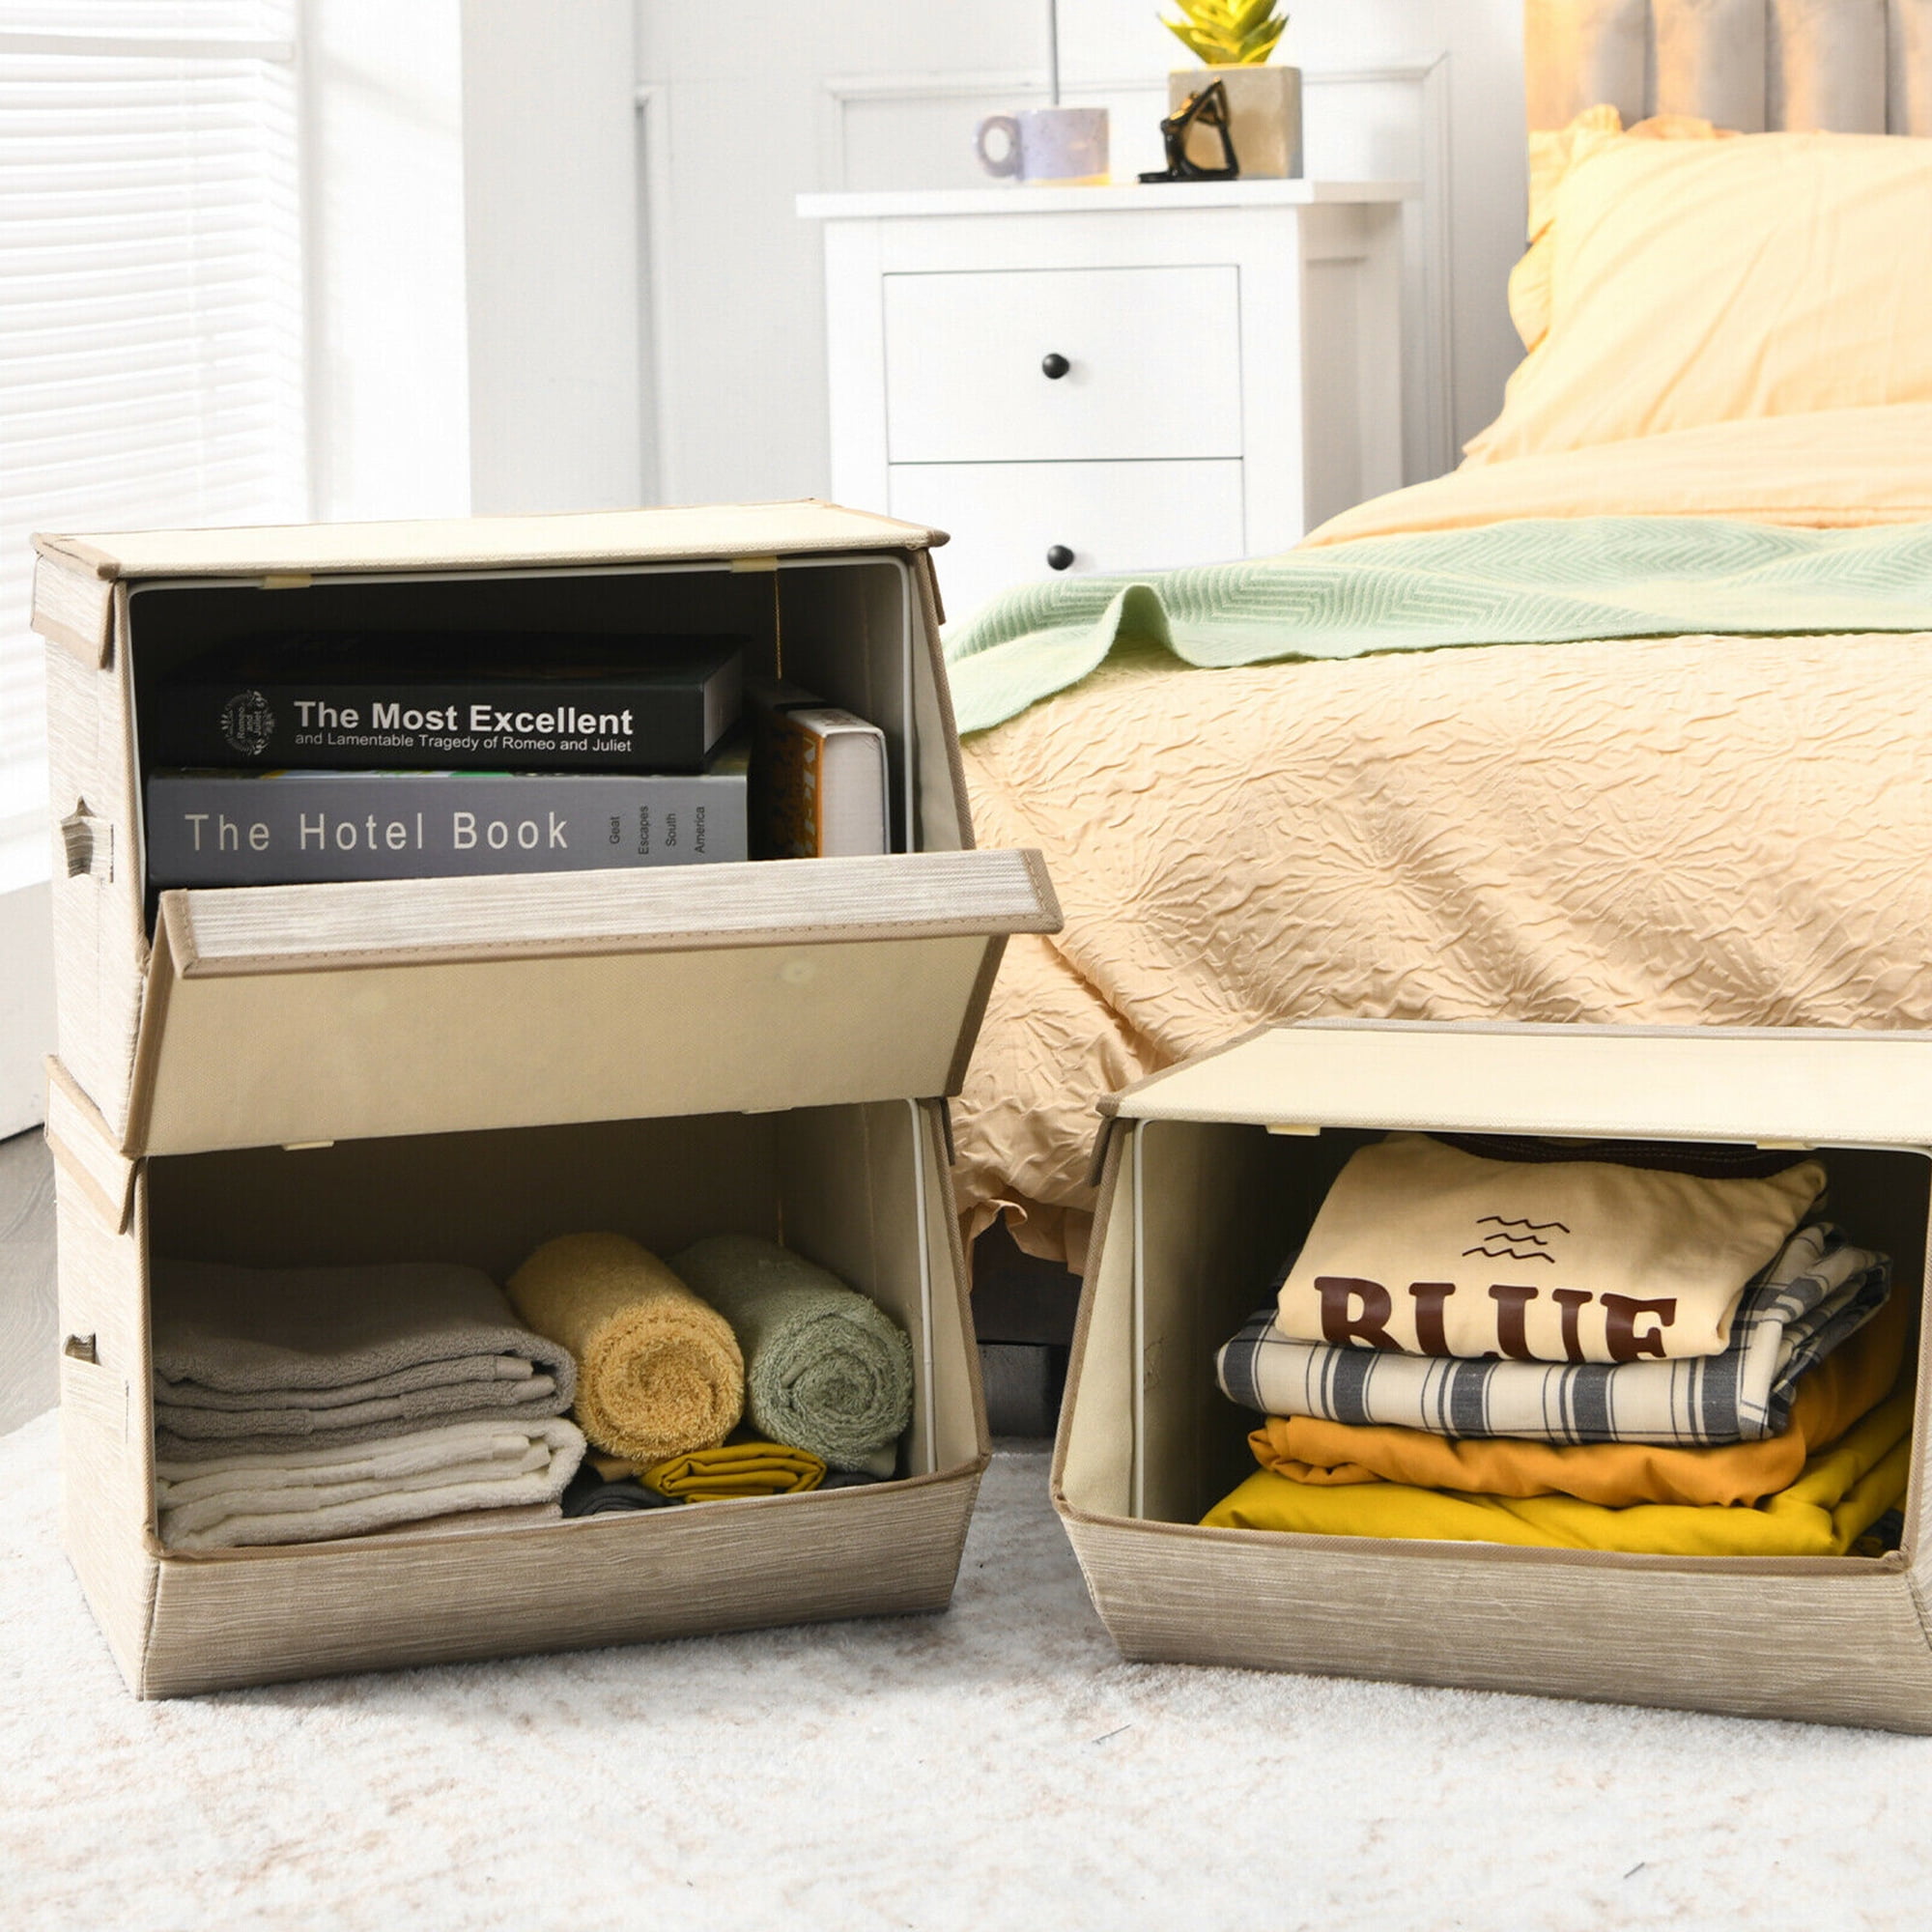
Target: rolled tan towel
x,y
659,1371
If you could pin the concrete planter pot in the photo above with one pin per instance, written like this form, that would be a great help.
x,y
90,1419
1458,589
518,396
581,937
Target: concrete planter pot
x,y
1264,117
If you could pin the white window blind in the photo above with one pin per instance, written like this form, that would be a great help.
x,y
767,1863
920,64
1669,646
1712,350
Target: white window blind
x,y
150,302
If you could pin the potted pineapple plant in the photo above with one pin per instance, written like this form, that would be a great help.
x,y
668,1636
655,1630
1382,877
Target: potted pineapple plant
x,y
1233,39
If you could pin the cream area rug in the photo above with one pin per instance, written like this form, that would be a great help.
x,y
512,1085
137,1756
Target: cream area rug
x,y
995,1767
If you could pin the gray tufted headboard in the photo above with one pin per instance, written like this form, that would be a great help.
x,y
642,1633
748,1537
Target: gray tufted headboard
x,y
1854,67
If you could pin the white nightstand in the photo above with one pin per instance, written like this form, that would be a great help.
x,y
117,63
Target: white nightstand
x,y
1113,378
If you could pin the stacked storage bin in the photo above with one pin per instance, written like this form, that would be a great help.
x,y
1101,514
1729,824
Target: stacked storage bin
x,y
459,1068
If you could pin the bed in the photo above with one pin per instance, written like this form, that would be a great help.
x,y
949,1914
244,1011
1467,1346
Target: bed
x,y
1716,810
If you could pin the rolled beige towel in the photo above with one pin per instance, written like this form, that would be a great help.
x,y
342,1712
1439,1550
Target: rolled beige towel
x,y
658,1372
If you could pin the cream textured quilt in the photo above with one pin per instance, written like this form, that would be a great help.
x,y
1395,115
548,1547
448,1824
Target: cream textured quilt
x,y
1676,830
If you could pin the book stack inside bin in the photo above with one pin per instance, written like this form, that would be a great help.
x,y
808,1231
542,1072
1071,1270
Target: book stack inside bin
x,y
311,755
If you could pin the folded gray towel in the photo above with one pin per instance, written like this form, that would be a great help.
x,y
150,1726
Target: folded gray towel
x,y
256,1360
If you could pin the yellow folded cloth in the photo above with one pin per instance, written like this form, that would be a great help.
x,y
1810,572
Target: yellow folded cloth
x,y
659,1371
735,1469
1840,1493
1848,1383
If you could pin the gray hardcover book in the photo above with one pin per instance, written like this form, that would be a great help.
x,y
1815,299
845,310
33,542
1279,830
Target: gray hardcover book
x,y
297,828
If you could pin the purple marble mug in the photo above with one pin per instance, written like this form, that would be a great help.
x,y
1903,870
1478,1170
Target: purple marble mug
x,y
1047,144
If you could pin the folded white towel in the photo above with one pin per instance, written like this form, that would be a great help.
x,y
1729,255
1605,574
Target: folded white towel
x,y
466,1522
309,1495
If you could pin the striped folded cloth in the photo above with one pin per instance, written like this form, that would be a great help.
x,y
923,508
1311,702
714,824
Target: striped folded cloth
x,y
1818,1290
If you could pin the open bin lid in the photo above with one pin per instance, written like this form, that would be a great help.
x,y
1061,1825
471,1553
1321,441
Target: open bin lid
x,y
287,1014
74,583
1765,1085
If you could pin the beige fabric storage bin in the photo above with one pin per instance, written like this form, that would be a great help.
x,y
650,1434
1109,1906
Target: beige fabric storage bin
x,y
844,602
460,1068
1213,1169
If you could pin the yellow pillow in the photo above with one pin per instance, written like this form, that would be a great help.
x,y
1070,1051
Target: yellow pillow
x,y
1552,153
1694,281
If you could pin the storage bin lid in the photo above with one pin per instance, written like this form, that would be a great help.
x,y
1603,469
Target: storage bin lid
x,y
1759,1085
73,588
303,1013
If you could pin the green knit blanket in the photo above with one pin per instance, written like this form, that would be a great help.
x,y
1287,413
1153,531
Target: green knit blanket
x,y
1530,581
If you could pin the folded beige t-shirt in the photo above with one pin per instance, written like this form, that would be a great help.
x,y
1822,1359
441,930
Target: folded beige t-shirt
x,y
1424,1248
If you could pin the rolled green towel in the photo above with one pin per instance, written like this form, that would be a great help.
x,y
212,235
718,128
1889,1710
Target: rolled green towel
x,y
826,1369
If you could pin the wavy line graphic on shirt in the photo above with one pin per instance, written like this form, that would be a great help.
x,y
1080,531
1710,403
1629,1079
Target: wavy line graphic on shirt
x,y
1531,1229
1505,1251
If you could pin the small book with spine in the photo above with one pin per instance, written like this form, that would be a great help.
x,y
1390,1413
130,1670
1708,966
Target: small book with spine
x,y
447,701
299,828
820,780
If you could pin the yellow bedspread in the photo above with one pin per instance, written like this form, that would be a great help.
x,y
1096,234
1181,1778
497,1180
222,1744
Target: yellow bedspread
x,y
1680,830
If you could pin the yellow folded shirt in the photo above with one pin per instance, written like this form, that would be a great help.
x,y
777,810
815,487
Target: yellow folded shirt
x,y
1848,1383
1840,1493
734,1469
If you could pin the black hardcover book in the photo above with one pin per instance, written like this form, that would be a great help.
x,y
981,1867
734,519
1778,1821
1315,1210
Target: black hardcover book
x,y
449,703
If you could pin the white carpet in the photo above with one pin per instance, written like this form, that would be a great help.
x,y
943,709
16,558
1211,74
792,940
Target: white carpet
x,y
996,1767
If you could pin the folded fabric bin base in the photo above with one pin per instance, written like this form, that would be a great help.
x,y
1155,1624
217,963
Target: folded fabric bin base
x,y
848,1178
1831,1641
256,1616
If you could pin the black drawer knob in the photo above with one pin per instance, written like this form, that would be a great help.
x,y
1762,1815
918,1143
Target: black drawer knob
x,y
1059,557
1053,367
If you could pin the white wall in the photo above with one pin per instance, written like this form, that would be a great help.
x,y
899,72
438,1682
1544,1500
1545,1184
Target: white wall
x,y
478,321
472,227
26,1004
737,292
550,237
387,295
867,94
1487,137
26,976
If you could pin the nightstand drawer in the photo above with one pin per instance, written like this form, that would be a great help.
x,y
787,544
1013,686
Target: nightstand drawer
x,y
1006,516
1151,364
